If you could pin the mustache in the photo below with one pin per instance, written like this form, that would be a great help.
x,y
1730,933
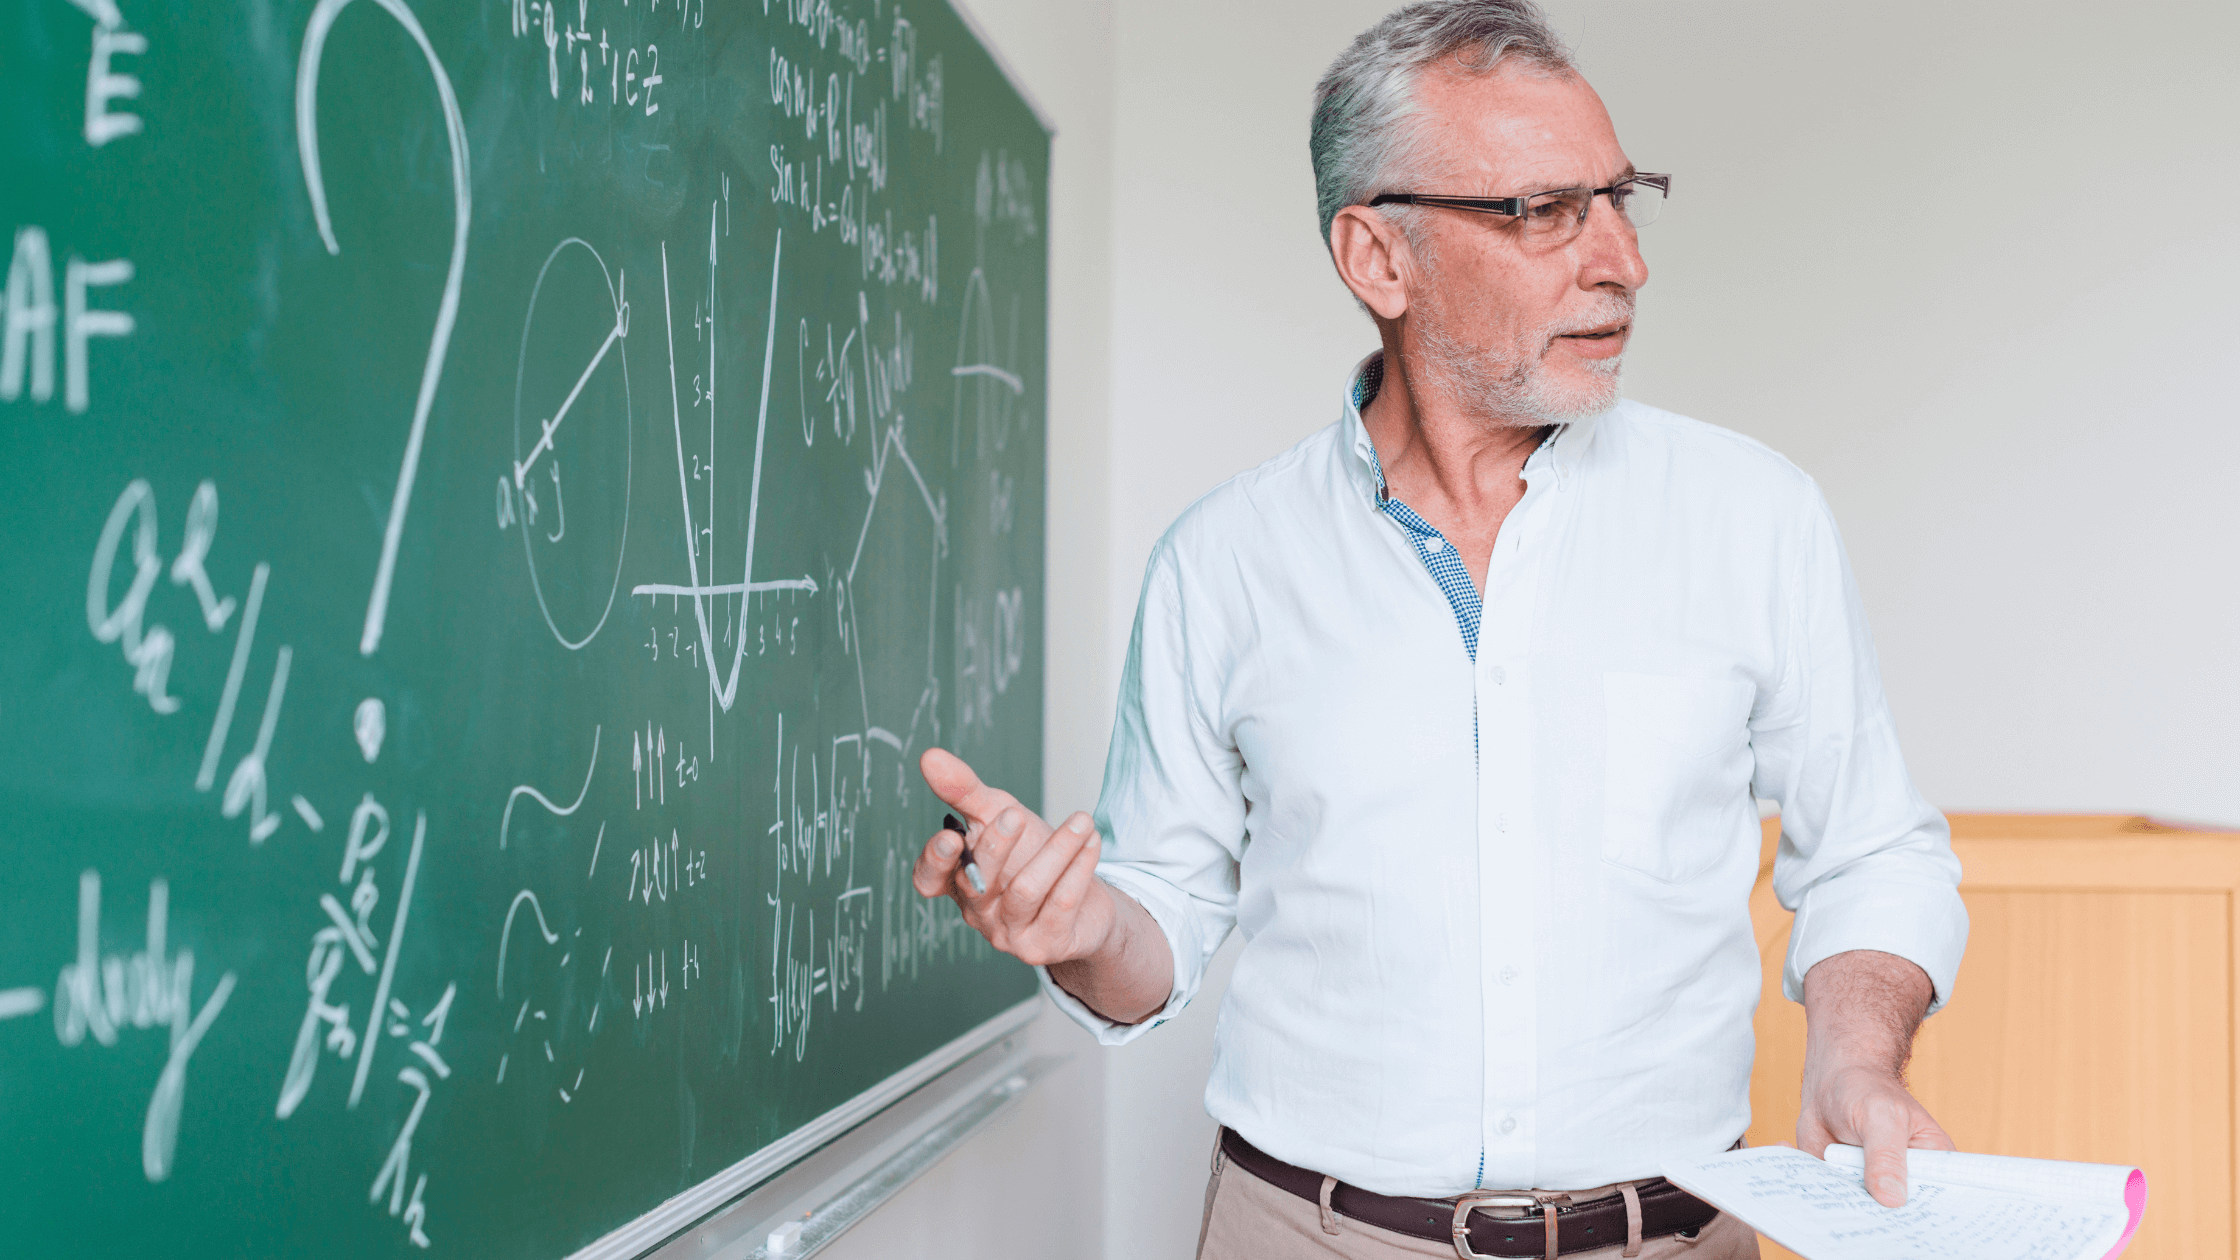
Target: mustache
x,y
1612,310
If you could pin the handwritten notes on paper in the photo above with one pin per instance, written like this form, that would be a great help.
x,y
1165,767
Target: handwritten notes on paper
x,y
1958,1206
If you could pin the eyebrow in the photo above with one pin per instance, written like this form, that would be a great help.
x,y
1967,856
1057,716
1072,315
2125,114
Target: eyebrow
x,y
1628,173
1620,178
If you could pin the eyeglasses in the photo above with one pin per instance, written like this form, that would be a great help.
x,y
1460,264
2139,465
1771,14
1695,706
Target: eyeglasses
x,y
1554,218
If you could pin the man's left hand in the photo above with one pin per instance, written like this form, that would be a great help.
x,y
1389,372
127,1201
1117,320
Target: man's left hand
x,y
1861,1010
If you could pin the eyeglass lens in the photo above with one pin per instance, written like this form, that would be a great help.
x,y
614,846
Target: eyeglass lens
x,y
1561,214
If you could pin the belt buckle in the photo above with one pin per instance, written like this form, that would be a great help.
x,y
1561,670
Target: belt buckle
x,y
1469,1203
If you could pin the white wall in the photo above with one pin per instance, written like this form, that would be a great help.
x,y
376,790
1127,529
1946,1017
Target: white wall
x,y
1970,265
1034,1178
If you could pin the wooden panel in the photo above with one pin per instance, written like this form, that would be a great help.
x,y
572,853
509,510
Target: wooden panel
x,y
2093,1018
2056,826
1779,1071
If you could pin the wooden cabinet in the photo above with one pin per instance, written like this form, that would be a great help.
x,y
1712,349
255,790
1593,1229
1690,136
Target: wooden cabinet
x,y
2093,1018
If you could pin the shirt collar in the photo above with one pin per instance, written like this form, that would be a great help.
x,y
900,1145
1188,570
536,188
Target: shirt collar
x,y
1563,452
1363,469
1567,450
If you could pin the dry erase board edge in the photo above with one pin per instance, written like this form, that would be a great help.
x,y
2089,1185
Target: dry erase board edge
x,y
641,1235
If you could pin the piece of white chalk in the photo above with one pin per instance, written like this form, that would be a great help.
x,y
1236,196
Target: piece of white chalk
x,y
972,872
783,1239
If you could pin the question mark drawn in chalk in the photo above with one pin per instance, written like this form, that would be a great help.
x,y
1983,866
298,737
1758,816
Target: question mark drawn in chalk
x,y
307,146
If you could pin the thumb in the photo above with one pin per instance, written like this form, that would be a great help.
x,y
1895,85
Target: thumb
x,y
1884,1137
949,777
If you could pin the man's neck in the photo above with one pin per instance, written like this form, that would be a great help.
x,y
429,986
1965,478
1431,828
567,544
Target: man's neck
x,y
1460,471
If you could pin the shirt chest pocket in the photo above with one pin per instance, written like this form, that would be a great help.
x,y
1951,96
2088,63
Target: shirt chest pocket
x,y
1676,773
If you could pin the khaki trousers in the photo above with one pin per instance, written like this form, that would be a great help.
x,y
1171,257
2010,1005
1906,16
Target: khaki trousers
x,y
1248,1219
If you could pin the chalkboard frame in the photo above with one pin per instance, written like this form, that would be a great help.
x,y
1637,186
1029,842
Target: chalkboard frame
x,y
642,1236
852,1177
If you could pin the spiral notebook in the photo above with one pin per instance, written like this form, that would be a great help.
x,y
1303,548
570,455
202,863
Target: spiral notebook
x,y
1958,1206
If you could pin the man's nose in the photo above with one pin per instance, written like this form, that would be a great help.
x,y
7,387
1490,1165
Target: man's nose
x,y
1609,248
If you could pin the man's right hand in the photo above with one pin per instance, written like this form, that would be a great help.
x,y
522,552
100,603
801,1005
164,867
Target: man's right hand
x,y
1044,903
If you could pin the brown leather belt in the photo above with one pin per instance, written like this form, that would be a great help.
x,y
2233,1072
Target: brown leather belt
x,y
1552,1226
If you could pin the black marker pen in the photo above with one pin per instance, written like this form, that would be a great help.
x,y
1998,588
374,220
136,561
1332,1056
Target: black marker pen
x,y
971,868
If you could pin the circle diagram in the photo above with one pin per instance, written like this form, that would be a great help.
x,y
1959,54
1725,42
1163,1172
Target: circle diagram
x,y
572,427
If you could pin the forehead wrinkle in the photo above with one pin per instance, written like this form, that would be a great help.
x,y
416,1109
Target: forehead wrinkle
x,y
1523,140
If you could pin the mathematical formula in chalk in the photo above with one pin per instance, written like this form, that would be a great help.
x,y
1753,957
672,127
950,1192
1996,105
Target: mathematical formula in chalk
x,y
505,502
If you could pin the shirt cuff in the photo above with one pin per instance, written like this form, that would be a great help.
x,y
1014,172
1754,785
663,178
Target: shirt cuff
x,y
1923,922
1168,907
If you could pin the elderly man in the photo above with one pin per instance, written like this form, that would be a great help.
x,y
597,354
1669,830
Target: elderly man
x,y
1457,709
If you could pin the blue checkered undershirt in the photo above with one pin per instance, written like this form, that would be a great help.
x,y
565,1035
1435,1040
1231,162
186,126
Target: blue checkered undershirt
x,y
1438,555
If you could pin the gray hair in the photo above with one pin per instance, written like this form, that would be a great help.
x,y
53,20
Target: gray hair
x,y
1364,105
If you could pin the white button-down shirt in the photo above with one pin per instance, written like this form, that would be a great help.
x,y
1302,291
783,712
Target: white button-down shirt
x,y
1528,964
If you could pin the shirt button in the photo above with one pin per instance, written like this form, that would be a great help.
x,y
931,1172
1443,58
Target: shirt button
x,y
1500,675
1508,975
1508,1125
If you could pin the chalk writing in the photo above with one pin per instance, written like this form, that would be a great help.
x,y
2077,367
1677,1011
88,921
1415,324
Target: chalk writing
x,y
273,502
103,994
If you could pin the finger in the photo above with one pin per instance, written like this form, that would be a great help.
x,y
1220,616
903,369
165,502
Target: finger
x,y
955,783
1009,841
1025,891
1812,1136
1071,892
1061,927
937,863
1884,1134
1928,1135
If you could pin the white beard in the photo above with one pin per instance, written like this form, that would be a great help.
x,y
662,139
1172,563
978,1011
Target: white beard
x,y
1516,390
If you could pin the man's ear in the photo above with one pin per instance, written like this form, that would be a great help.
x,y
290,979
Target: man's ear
x,y
1373,259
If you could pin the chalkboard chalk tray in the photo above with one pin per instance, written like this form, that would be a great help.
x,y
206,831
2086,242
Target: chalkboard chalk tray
x,y
497,498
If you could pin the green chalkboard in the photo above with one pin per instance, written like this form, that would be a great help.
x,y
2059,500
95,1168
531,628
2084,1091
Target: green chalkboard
x,y
497,498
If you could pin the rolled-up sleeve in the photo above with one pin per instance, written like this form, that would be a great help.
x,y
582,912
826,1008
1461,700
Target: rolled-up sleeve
x,y
1172,810
1864,862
